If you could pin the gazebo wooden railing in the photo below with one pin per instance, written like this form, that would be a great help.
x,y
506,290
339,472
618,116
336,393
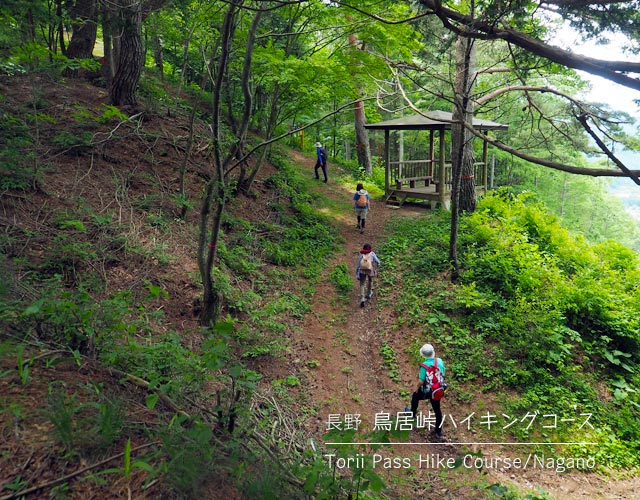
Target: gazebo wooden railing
x,y
412,173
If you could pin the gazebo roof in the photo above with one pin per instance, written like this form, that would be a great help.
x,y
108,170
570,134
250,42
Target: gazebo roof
x,y
431,120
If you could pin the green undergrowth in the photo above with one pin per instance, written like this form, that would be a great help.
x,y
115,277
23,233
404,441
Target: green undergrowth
x,y
272,266
541,323
374,183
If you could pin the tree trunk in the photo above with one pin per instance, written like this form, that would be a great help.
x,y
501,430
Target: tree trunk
x,y
108,65
185,58
130,58
247,95
84,25
463,190
156,41
248,183
31,26
362,137
108,62
157,56
468,199
493,171
63,49
216,190
461,137
563,196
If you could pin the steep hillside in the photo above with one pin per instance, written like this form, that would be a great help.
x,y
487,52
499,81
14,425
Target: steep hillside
x,y
109,388
95,256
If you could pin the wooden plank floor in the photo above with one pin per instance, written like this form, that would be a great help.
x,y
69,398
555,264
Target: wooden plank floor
x,y
424,192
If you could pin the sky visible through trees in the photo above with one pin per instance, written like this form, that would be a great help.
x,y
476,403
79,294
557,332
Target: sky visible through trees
x,y
617,97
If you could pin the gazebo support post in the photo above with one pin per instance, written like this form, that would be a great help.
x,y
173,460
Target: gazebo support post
x,y
431,153
485,156
441,187
387,161
437,169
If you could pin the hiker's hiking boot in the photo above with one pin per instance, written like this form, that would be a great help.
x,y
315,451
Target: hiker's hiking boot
x,y
362,303
436,434
370,295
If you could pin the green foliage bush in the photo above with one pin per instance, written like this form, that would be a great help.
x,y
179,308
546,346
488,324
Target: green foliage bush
x,y
341,278
584,204
560,290
538,310
15,140
69,140
191,457
74,319
81,423
390,361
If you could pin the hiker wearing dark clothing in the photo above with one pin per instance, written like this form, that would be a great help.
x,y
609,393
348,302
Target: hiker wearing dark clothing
x,y
366,269
428,353
321,161
361,199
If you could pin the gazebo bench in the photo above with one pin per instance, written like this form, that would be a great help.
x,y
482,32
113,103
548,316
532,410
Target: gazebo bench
x,y
427,179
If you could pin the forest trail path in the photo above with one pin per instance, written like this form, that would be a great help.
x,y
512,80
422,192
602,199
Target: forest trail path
x,y
342,341
340,335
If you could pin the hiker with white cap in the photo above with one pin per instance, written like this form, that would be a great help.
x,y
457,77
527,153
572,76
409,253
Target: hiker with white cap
x,y
431,385
362,205
321,161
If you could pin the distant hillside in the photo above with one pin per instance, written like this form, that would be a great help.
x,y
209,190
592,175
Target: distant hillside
x,y
625,189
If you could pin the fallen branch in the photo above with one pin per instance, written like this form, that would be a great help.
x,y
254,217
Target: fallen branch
x,y
111,133
260,441
79,472
46,355
145,385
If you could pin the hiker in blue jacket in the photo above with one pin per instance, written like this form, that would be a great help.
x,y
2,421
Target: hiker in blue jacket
x,y
428,353
361,199
366,269
321,161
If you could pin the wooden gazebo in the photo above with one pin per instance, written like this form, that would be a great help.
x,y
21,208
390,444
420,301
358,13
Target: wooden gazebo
x,y
428,179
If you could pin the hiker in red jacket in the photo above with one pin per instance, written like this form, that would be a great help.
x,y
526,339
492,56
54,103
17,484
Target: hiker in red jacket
x,y
428,353
366,269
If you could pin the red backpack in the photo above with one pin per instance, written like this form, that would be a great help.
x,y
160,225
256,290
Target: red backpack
x,y
434,384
